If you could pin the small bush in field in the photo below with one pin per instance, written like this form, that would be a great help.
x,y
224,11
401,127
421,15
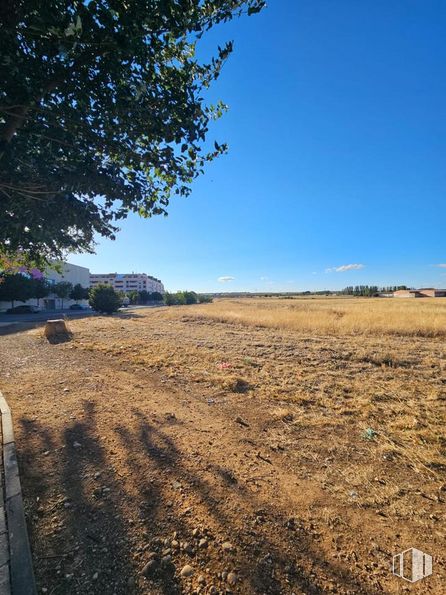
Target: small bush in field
x,y
190,297
104,299
170,299
180,298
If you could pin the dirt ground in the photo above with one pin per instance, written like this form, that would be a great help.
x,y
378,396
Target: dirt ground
x,y
164,453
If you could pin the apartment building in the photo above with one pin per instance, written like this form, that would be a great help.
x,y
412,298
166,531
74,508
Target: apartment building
x,y
128,282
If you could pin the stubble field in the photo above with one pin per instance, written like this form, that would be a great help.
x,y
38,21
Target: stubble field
x,y
244,446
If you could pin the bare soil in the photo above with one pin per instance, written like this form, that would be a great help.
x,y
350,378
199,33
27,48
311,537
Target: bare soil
x,y
266,460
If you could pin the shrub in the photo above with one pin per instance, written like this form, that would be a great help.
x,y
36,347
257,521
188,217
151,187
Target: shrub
x,y
180,298
204,299
190,297
156,296
104,299
78,293
170,299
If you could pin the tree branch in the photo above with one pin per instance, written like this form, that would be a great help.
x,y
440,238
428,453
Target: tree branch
x,y
18,117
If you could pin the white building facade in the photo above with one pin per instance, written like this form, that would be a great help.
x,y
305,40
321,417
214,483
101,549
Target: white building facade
x,y
70,273
128,282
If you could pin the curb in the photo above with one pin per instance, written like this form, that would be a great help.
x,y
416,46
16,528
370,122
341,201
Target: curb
x,y
16,567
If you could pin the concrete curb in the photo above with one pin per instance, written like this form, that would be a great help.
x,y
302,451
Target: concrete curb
x,y
16,567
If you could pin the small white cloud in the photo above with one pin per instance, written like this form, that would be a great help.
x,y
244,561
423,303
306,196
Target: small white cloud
x,y
345,267
225,279
349,267
264,278
440,266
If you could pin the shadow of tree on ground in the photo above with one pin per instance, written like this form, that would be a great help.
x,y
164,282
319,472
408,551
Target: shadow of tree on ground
x,y
94,528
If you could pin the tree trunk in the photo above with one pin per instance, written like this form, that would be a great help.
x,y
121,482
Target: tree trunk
x,y
56,331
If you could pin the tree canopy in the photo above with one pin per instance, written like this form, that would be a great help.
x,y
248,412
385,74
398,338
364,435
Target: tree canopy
x,y
103,298
15,287
102,113
79,292
63,289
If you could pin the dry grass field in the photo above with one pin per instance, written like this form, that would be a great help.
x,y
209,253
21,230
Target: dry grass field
x,y
338,316
264,446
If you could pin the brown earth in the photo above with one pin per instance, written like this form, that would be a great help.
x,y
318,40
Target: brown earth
x,y
267,460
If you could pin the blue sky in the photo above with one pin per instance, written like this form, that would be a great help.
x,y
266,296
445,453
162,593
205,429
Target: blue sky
x,y
337,137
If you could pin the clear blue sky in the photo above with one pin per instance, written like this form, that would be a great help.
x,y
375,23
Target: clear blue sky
x,y
337,136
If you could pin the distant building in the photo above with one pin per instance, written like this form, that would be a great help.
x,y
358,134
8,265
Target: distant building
x,y
128,282
431,292
406,293
70,273
419,293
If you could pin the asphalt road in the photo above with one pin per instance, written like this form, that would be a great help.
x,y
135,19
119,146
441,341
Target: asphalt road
x,y
12,323
42,316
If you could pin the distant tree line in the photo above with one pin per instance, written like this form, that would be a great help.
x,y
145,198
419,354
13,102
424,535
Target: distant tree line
x,y
103,298
183,298
359,290
369,290
20,287
142,297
